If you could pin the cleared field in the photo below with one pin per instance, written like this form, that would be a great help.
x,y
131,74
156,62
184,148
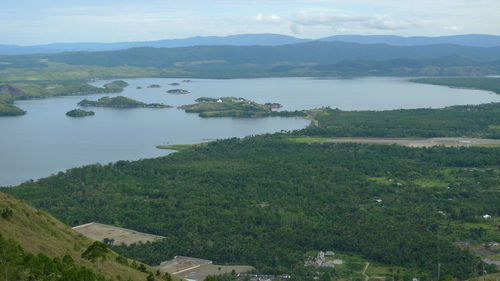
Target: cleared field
x,y
99,232
453,142
198,269
200,273
180,264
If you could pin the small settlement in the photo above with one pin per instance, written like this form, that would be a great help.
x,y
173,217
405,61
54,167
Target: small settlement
x,y
323,259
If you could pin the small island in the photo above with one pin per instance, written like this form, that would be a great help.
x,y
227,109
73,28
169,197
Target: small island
x,y
79,113
154,86
138,87
174,84
115,86
186,81
178,91
234,107
120,102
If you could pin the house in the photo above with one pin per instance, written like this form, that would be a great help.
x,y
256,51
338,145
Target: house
x,y
329,254
379,200
486,216
219,100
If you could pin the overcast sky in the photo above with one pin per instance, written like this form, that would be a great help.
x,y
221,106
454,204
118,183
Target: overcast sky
x,y
27,22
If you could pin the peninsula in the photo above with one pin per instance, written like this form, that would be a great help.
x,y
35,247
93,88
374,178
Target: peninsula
x,y
10,110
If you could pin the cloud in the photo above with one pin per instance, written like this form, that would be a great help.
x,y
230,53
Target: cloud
x,y
344,23
268,18
453,28
297,29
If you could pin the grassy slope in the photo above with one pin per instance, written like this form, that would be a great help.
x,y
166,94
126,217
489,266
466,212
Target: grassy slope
x,y
38,232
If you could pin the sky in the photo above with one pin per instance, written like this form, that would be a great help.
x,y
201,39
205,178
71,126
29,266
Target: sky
x,y
30,22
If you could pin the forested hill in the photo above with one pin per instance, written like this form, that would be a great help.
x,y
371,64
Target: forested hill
x,y
267,201
313,52
304,59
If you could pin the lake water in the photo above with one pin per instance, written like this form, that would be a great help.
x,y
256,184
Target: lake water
x,y
45,141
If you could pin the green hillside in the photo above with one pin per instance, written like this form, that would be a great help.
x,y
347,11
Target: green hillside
x,y
57,249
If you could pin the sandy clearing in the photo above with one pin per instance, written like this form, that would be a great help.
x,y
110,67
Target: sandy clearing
x,y
421,142
98,232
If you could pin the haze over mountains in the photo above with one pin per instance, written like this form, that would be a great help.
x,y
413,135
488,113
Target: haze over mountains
x,y
471,40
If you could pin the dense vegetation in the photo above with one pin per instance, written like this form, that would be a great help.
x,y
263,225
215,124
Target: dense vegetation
x,y
488,84
119,102
455,121
266,201
79,113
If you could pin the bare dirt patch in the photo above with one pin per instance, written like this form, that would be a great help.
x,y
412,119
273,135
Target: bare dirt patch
x,y
417,142
99,232
198,269
203,271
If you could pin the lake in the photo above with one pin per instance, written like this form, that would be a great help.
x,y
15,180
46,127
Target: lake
x,y
45,141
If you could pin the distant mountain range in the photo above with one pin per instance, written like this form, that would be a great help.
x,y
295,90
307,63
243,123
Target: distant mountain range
x,y
317,58
472,40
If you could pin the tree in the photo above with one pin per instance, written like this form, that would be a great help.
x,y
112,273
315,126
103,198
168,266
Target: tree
x,y
7,213
325,277
142,268
447,277
167,276
96,252
108,241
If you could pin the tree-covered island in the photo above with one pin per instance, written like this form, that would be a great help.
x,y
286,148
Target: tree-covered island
x,y
79,113
234,107
120,102
178,91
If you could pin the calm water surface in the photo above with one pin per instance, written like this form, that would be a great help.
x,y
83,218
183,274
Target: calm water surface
x,y
45,141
